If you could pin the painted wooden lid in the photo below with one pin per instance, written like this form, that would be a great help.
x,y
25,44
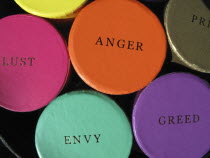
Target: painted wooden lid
x,y
117,46
171,117
55,9
34,63
84,124
188,28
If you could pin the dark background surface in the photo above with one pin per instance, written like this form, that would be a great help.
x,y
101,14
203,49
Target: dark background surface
x,y
18,129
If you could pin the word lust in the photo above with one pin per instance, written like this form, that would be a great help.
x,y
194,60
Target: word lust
x,y
201,21
82,139
17,61
179,119
120,43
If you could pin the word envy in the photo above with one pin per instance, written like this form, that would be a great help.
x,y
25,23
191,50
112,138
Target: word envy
x,y
82,139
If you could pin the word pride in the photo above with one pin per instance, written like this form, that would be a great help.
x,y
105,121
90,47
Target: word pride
x,y
119,43
179,119
17,61
201,21
82,139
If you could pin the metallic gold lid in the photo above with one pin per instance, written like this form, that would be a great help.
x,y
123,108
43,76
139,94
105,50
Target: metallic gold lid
x,y
188,28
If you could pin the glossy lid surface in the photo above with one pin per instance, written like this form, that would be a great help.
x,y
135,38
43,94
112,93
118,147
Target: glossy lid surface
x,y
117,47
34,63
54,9
188,28
86,115
171,117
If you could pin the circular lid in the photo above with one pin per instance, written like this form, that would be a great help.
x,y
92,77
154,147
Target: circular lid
x,y
55,9
34,63
117,51
188,27
83,124
171,117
